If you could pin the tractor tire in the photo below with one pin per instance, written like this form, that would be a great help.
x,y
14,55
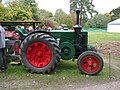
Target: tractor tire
x,y
40,53
90,63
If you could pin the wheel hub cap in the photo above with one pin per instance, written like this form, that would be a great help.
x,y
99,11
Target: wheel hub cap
x,y
90,64
38,54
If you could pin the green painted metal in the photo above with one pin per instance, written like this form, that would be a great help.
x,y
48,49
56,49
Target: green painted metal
x,y
66,36
67,50
22,33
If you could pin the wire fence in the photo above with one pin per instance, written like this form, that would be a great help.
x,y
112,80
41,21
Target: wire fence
x,y
95,29
111,53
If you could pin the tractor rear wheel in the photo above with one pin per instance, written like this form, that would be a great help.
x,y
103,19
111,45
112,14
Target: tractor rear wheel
x,y
90,63
40,53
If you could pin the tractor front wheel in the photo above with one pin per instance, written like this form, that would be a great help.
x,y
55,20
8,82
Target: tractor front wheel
x,y
90,63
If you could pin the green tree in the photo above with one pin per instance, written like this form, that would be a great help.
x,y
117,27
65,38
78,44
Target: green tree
x,y
86,8
49,23
18,12
73,16
59,14
90,24
68,21
43,14
62,18
115,13
101,20
98,21
54,21
3,12
34,8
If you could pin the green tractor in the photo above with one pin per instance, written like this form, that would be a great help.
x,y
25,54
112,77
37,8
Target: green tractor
x,y
41,51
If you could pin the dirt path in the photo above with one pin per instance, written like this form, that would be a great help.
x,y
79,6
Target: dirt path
x,y
114,85
33,85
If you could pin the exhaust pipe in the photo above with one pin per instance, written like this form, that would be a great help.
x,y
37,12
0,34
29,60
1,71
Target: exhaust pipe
x,y
77,14
77,29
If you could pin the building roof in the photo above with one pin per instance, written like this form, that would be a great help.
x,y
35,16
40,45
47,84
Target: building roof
x,y
115,22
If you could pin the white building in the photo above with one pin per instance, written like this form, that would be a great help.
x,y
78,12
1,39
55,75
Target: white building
x,y
114,26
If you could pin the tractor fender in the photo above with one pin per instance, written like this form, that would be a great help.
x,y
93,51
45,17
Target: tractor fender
x,y
91,48
34,33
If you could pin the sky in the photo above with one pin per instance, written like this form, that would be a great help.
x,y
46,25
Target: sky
x,y
102,6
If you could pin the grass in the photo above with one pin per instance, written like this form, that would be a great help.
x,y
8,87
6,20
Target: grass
x,y
102,37
67,72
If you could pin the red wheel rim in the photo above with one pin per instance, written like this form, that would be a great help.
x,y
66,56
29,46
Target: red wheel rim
x,y
38,54
90,64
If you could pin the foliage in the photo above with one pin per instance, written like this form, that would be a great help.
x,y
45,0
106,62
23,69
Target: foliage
x,y
73,16
68,21
19,12
98,21
3,12
115,13
86,8
49,23
59,14
26,10
16,11
33,6
44,14
63,18
90,24
54,21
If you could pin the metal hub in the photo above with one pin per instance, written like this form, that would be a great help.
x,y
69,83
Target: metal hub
x,y
90,64
38,54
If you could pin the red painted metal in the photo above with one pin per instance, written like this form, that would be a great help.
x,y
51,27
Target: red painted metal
x,y
38,54
11,34
16,49
90,64
8,34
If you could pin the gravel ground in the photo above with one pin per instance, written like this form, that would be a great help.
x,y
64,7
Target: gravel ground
x,y
33,85
114,85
